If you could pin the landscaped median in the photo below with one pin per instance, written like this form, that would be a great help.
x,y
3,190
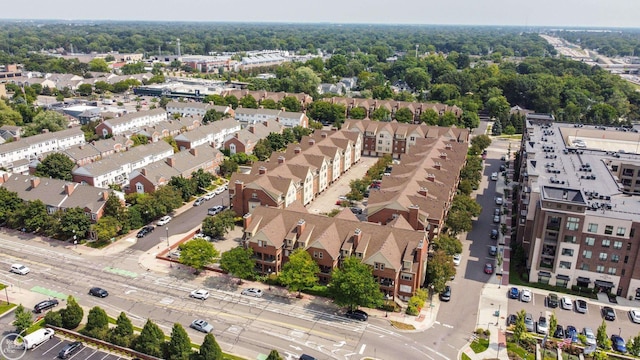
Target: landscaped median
x,y
5,306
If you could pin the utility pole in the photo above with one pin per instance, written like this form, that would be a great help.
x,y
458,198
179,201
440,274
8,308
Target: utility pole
x,y
417,51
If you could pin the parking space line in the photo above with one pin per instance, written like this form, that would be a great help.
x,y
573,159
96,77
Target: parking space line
x,y
53,347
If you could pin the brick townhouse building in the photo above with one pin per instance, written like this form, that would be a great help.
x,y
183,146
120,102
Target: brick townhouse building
x,y
130,122
371,105
246,139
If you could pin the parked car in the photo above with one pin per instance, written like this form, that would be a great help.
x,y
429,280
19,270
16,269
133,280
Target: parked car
x,y
571,333
357,315
493,251
498,200
252,292
356,210
581,306
514,293
69,349
45,305
488,268
496,219
552,300
543,326
445,295
511,319
494,176
608,313
209,196
98,292
618,344
497,211
588,333
457,259
307,357
174,255
202,236
199,201
220,189
634,315
164,220
525,295
201,326
145,231
502,168
201,294
559,333
528,322
215,210
566,303
19,269
494,233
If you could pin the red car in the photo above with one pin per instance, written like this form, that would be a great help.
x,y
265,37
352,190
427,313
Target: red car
x,y
488,268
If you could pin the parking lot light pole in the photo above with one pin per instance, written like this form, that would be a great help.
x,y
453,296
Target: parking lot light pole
x,y
167,228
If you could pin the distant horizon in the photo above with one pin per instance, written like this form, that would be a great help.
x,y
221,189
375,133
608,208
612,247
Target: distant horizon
x,y
599,14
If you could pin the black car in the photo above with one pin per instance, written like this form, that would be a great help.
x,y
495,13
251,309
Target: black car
x,y
98,292
307,357
608,313
144,231
357,315
356,210
559,333
446,294
45,305
69,349
552,300
494,233
511,319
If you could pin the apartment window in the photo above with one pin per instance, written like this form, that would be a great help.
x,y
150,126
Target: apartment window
x,y
628,246
584,267
315,254
612,271
406,276
621,231
586,254
626,259
567,252
565,265
379,142
589,241
320,254
262,243
412,138
254,196
617,245
606,242
632,232
603,256
592,228
600,268
622,272
570,239
378,266
573,223
615,258
608,229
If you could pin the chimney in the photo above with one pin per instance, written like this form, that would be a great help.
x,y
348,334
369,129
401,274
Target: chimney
x,y
5,178
68,188
105,195
437,165
443,155
171,161
448,147
431,177
324,135
297,150
193,151
281,159
35,181
413,216
423,191
236,135
266,123
143,171
262,170
252,129
300,227
247,220
357,236
312,141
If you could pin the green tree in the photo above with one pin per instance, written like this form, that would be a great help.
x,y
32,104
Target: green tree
x,y
418,79
179,345
440,269
262,150
229,166
300,272
520,329
53,318
122,333
150,341
202,179
197,253
305,80
85,89
11,204
186,187
9,116
139,139
212,115
429,117
210,350
601,336
74,221
381,114
97,324
23,319
238,262
102,87
633,345
353,285
481,141
218,226
72,314
291,103
458,222
98,65
404,115
107,228
449,244
358,113
269,104
274,355
248,101
34,216
57,166
49,120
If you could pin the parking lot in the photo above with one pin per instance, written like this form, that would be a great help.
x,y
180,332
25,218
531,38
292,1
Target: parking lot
x,y
51,348
592,318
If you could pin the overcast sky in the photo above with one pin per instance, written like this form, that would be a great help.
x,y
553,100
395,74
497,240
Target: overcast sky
x,y
583,13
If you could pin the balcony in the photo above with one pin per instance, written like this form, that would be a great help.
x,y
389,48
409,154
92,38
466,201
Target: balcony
x,y
387,282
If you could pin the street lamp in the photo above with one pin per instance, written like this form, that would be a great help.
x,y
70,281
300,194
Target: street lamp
x,y
167,228
75,242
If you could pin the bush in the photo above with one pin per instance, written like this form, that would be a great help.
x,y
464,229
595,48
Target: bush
x,y
412,310
318,290
487,332
53,318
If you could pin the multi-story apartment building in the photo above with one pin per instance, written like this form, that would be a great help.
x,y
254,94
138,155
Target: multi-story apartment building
x,y
394,138
246,139
371,105
578,216
261,95
397,255
193,108
248,116
33,147
130,122
212,134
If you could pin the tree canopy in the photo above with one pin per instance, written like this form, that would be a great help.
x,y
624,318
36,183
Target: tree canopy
x,y
353,285
197,253
300,271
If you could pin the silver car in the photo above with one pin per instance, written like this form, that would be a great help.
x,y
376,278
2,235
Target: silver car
x,y
528,322
588,333
252,292
201,326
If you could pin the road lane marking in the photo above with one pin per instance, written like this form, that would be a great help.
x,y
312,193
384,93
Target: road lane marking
x,y
362,349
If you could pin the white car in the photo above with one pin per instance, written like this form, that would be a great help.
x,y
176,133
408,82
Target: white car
x,y
525,295
499,200
201,294
635,316
252,292
20,269
202,236
164,220
199,201
543,326
202,326
457,259
219,190
494,176
209,196
566,303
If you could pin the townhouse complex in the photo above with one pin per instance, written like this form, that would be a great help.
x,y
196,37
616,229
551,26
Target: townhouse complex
x,y
371,105
577,209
